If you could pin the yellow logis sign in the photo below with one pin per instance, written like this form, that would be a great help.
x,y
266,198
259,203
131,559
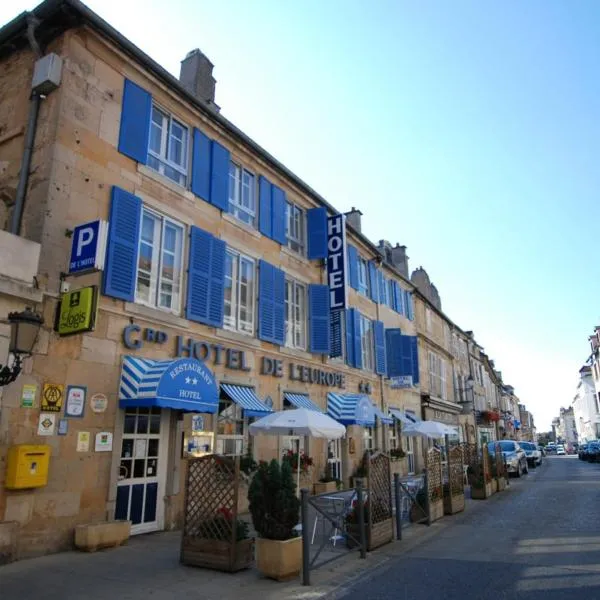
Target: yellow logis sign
x,y
77,311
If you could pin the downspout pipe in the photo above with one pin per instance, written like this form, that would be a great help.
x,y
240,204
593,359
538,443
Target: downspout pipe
x,y
34,109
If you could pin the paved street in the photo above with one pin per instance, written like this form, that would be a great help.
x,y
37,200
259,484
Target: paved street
x,y
541,540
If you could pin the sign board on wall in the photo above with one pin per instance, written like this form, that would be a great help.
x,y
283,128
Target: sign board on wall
x,y
75,401
403,381
52,397
99,403
83,441
77,312
104,441
28,395
336,261
88,247
46,424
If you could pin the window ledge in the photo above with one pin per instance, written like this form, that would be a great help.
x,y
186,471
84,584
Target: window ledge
x,y
168,183
243,226
155,314
235,336
303,354
297,256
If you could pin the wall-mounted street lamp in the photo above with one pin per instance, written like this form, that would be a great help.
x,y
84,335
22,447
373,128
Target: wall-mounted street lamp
x,y
24,329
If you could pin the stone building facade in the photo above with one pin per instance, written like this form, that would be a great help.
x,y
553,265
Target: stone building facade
x,y
216,259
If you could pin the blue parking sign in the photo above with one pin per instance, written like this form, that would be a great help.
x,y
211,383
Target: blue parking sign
x,y
88,247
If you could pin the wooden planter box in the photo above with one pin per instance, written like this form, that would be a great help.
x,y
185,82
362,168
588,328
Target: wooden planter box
x,y
454,504
494,485
377,535
436,510
279,560
325,488
501,484
481,493
94,536
217,554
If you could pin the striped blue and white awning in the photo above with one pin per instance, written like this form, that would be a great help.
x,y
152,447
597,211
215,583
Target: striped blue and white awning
x,y
180,384
246,398
385,419
402,416
301,401
351,409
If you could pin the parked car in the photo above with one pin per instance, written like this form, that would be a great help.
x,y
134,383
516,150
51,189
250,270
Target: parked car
x,y
514,456
534,456
593,452
542,450
560,450
551,449
582,454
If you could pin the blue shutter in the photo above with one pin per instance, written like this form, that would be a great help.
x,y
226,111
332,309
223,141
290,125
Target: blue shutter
x,y
122,247
318,301
350,337
380,357
373,282
382,283
219,176
134,131
336,333
278,306
316,219
265,301
216,297
406,359
394,354
357,341
279,215
265,225
353,266
414,348
201,166
409,306
397,298
198,303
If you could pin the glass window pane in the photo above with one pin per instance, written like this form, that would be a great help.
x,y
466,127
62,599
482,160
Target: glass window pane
x,y
142,424
127,448
155,424
129,425
138,468
153,447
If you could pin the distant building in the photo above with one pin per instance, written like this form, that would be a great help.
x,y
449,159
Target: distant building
x,y
586,412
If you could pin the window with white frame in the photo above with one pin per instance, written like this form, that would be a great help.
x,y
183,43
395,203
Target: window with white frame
x,y
242,194
231,429
239,292
366,343
168,146
390,293
368,438
296,228
437,375
385,291
428,318
363,276
334,459
295,314
159,262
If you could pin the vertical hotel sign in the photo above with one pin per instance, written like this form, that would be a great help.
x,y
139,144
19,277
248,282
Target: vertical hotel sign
x,y
336,278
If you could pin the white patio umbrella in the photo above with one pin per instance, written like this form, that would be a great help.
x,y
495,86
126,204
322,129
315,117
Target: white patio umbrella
x,y
299,422
428,429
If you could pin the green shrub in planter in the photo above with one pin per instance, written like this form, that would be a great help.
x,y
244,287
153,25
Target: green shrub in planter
x,y
273,503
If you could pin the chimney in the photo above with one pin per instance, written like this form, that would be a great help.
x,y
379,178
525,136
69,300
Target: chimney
x,y
197,78
399,259
353,219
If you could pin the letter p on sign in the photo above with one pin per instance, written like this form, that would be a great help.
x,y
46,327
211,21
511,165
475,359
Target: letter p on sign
x,y
88,247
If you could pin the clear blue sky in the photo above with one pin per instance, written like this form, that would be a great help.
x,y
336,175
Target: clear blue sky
x,y
468,131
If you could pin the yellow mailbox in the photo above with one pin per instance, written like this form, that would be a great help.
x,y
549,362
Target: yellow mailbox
x,y
27,466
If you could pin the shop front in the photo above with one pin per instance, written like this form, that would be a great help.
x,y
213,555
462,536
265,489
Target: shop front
x,y
150,391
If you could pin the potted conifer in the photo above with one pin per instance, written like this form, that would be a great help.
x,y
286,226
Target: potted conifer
x,y
275,511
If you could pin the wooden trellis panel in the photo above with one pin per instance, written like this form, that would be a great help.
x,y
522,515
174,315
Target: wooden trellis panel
x,y
434,475
456,471
500,466
487,464
381,524
210,528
